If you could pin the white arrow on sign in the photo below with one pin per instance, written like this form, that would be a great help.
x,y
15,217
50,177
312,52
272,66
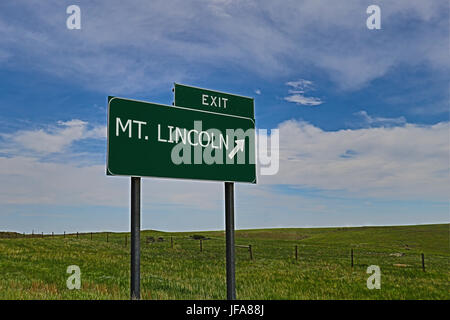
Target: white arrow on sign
x,y
239,147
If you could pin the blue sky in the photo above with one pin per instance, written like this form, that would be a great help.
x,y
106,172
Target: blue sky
x,y
363,114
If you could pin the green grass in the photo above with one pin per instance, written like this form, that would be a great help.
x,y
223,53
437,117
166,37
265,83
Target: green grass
x,y
35,268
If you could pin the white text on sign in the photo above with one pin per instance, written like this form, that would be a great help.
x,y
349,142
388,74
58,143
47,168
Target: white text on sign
x,y
209,145
214,101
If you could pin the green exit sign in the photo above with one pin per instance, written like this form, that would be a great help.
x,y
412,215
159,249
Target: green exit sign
x,y
153,140
213,101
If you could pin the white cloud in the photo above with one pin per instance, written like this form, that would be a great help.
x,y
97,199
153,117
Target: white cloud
x,y
76,181
300,86
55,139
99,132
297,96
301,99
258,92
434,109
167,203
69,184
406,162
164,41
380,120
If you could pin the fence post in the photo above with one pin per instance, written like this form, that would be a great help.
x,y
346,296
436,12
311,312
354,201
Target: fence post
x,y
250,251
423,262
52,234
107,235
201,245
91,235
171,242
352,256
42,234
77,234
296,252
64,234
125,240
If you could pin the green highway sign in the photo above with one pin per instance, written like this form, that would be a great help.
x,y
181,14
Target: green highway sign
x,y
153,140
206,135
214,101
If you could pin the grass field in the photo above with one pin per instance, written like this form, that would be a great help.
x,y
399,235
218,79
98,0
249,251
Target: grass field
x,y
35,268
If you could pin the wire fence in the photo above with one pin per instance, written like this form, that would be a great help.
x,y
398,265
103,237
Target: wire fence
x,y
251,249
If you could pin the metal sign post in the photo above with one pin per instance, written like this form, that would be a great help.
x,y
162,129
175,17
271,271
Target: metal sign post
x,y
229,235
135,238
